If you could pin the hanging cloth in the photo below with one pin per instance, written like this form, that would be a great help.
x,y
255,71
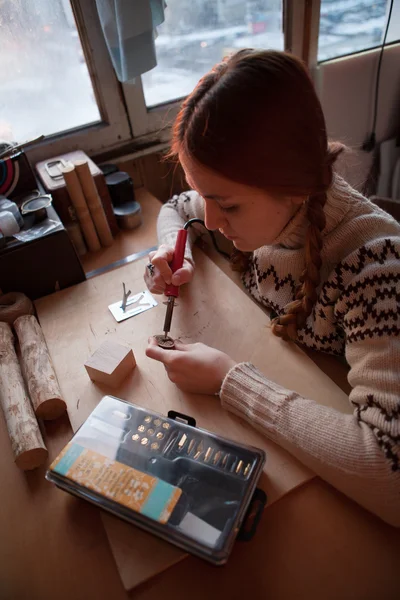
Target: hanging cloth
x,y
129,28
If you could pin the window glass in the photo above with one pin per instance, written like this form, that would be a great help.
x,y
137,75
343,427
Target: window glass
x,y
197,34
45,84
349,26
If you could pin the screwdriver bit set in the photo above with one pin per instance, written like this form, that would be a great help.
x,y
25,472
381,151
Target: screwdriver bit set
x,y
164,474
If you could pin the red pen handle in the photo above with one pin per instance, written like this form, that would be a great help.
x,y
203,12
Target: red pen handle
x,y
177,261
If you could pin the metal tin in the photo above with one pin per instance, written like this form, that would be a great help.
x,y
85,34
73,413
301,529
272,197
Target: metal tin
x,y
36,205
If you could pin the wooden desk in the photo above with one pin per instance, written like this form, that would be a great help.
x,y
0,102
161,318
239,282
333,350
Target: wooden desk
x,y
313,543
129,241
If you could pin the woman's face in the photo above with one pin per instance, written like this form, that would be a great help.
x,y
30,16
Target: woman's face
x,y
248,216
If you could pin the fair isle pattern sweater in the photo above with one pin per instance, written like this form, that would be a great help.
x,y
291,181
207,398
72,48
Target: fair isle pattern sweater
x,y
356,315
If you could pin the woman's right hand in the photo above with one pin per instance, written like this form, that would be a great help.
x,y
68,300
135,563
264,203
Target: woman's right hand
x,y
162,274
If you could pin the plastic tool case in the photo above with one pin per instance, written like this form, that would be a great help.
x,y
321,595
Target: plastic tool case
x,y
182,483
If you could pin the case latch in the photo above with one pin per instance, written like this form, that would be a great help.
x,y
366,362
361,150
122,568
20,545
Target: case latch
x,y
177,416
253,516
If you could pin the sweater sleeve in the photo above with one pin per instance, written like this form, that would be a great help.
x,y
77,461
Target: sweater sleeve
x,y
359,454
174,214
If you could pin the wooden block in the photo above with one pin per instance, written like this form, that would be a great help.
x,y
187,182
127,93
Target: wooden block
x,y
110,364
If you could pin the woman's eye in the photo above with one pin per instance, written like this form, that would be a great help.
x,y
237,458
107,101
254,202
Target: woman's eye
x,y
228,209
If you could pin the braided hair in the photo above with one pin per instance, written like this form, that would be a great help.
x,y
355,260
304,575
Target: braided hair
x,y
296,312
255,118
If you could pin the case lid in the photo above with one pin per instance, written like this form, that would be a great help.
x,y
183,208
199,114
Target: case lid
x,y
182,483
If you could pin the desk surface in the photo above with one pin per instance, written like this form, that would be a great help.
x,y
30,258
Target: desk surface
x,y
312,543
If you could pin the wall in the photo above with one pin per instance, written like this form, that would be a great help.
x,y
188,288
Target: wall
x,y
347,87
160,177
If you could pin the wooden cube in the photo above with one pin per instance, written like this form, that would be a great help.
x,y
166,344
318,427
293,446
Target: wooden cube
x,y
110,364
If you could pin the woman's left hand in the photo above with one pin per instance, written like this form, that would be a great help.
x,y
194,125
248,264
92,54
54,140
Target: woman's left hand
x,y
193,367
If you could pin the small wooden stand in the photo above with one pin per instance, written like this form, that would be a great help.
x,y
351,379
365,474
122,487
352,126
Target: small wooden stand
x,y
110,364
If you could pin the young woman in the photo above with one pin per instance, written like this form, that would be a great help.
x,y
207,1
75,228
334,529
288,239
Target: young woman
x,y
252,141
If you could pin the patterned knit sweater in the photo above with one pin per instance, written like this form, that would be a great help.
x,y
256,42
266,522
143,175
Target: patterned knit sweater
x,y
356,315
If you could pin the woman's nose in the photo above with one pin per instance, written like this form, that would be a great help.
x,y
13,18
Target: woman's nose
x,y
213,215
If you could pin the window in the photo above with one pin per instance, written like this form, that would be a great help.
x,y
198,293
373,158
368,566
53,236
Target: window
x,y
394,25
46,87
349,26
57,78
197,34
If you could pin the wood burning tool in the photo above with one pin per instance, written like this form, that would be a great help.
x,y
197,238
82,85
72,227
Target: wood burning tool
x,y
172,291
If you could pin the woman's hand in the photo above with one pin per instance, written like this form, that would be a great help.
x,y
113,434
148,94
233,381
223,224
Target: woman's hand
x,y
193,367
162,274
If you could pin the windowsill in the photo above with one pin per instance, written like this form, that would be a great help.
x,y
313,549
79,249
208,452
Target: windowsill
x,y
130,241
131,150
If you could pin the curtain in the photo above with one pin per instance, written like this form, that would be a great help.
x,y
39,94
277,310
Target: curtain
x,y
129,28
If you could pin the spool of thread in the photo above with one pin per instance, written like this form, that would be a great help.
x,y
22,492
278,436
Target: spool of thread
x,y
8,223
94,203
120,186
82,212
128,215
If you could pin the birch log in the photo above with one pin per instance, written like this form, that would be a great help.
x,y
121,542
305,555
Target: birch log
x,y
38,369
26,440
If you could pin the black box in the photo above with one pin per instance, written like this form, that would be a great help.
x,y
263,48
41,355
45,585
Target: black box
x,y
41,266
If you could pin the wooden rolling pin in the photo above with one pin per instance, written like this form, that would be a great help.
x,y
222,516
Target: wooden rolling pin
x,y
82,212
38,369
26,440
94,203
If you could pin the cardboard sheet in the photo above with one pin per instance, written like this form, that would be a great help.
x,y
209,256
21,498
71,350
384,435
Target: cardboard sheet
x,y
212,310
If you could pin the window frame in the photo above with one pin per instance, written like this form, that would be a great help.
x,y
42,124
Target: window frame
x,y
128,126
114,127
154,120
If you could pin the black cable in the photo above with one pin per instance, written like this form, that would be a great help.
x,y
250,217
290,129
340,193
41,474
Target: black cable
x,y
370,142
214,241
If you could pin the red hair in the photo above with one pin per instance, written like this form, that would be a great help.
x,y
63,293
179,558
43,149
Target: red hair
x,y
255,118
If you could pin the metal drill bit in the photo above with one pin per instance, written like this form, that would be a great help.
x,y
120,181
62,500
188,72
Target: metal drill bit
x,y
182,441
199,451
208,454
239,466
232,468
217,457
170,442
190,446
225,460
247,469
